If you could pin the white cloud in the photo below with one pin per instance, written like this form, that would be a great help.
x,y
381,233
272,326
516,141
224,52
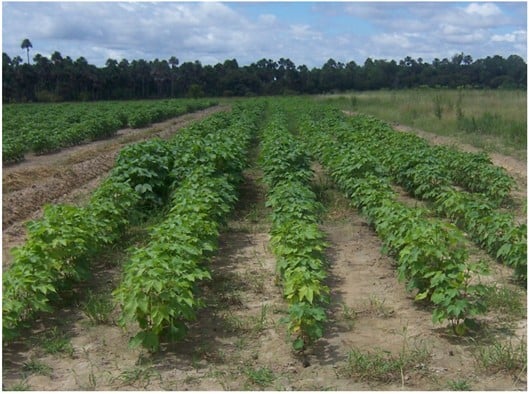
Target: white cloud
x,y
483,9
516,36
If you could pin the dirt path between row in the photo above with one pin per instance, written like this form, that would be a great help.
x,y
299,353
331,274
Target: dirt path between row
x,y
69,175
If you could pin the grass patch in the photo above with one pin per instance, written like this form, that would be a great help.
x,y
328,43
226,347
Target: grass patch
x,y
506,301
383,366
139,375
98,308
20,386
459,385
503,357
261,377
37,367
254,324
377,307
55,341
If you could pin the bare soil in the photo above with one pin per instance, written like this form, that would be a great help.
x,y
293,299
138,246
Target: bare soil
x,y
239,341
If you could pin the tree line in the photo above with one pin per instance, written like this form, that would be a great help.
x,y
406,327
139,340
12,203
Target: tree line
x,y
60,78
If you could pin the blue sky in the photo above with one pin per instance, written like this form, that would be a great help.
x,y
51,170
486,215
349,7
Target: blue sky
x,y
306,32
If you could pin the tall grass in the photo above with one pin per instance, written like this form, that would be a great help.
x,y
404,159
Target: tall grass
x,y
494,120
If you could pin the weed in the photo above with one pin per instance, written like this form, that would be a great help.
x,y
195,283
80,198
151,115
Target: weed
x,y
377,305
505,300
262,376
459,110
255,214
260,322
233,323
20,386
255,280
353,102
138,375
98,308
507,357
373,366
384,367
191,379
222,377
348,313
91,384
37,367
92,379
381,366
459,385
240,343
56,342
505,123
208,352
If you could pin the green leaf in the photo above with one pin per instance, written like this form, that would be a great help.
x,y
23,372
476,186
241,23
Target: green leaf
x,y
421,296
298,344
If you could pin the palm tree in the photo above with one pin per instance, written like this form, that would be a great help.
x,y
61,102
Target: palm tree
x,y
26,44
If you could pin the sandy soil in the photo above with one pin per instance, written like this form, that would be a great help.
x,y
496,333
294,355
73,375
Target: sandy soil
x,y
239,342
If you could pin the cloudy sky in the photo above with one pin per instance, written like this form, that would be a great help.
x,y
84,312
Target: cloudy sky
x,y
306,32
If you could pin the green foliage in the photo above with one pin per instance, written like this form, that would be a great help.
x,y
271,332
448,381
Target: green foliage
x,y
429,174
145,166
159,285
61,244
296,239
430,254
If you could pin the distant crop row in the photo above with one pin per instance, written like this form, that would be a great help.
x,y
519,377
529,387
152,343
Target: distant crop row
x,y
45,128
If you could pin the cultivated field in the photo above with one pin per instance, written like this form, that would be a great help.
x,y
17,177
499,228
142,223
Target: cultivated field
x,y
277,244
